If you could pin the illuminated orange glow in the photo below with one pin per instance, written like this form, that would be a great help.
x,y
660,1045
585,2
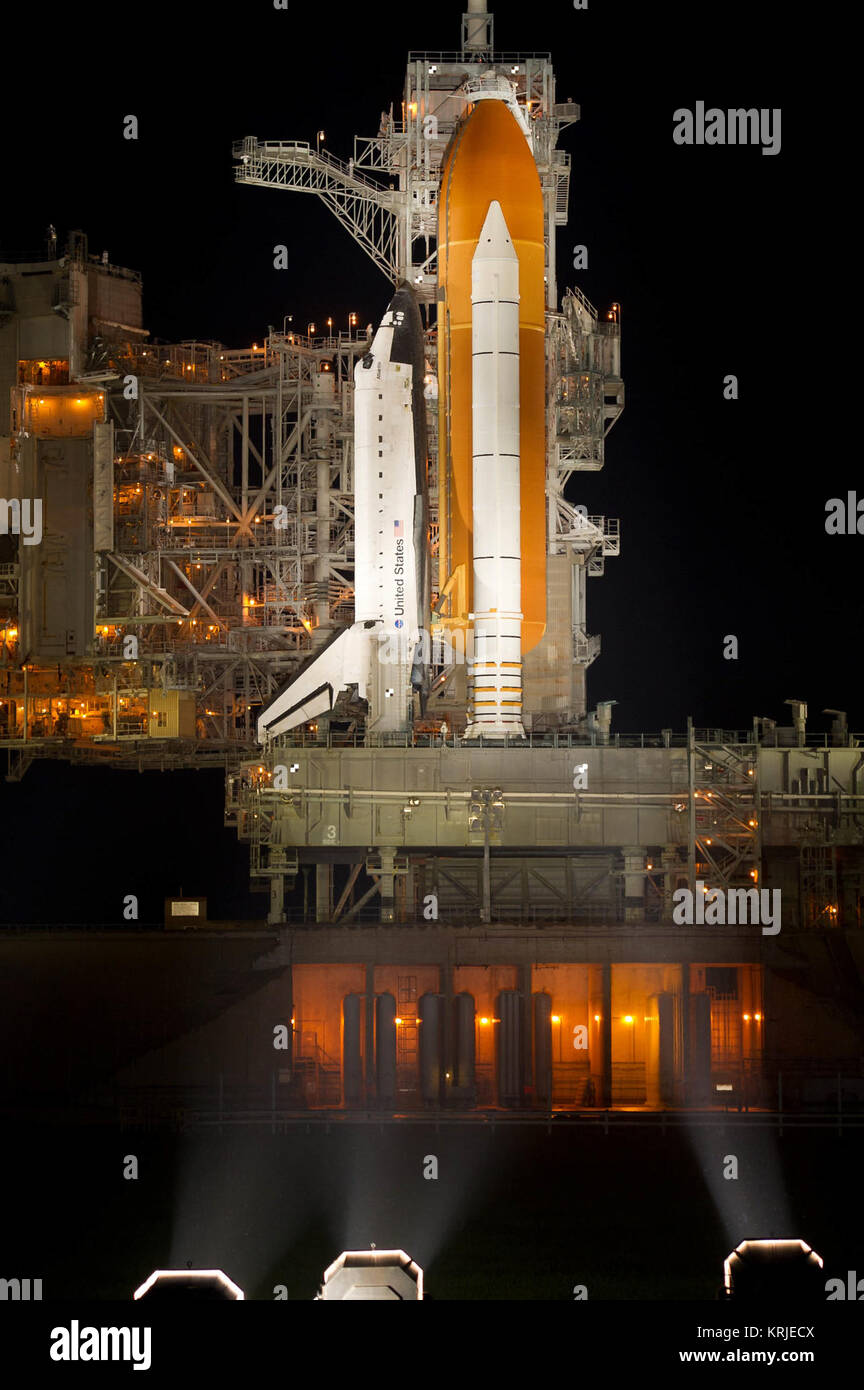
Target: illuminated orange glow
x,y
488,158
62,415
628,1018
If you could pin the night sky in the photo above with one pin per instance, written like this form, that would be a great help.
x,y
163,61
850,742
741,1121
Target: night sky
x,y
724,261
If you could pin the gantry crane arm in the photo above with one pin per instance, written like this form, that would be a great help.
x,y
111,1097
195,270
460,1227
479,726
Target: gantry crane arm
x,y
369,212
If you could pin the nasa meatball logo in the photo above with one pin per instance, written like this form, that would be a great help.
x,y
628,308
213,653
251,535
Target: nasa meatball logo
x,y
398,622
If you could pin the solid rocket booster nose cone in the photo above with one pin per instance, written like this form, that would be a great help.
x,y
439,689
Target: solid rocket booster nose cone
x,y
494,241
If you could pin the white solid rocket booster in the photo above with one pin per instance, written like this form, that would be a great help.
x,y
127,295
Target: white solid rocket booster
x,y
496,700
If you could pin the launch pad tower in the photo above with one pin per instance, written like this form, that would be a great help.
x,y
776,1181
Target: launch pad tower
x,y
388,196
468,119
509,899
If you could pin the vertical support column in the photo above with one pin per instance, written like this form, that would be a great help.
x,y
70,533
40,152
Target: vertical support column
x,y
388,859
660,1050
445,985
605,1092
669,865
370,1032
385,1050
799,721
244,454
486,909
685,1033
593,1088
430,1010
699,1050
289,991
279,429
409,897
463,1015
277,900
542,1038
322,529
352,1076
634,883
757,814
691,810
323,892
523,976
510,1048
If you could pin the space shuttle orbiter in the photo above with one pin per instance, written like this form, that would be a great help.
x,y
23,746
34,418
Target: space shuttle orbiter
x,y
380,652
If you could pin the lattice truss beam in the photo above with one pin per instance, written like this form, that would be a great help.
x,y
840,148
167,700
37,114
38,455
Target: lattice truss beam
x,y
370,213
586,393
726,818
233,551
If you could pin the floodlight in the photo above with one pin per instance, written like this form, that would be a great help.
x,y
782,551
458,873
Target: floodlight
x,y
372,1274
203,1284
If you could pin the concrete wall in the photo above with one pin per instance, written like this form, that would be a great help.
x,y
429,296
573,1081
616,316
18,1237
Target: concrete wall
x,y
553,686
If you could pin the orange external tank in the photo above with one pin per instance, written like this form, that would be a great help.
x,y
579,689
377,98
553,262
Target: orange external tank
x,y
489,159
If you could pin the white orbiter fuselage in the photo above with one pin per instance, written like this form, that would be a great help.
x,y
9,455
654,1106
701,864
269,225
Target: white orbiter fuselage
x,y
379,653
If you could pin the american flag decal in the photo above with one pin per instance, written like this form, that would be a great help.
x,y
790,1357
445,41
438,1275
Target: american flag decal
x,y
397,530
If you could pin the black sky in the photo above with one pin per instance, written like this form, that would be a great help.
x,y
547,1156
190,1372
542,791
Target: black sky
x,y
724,261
